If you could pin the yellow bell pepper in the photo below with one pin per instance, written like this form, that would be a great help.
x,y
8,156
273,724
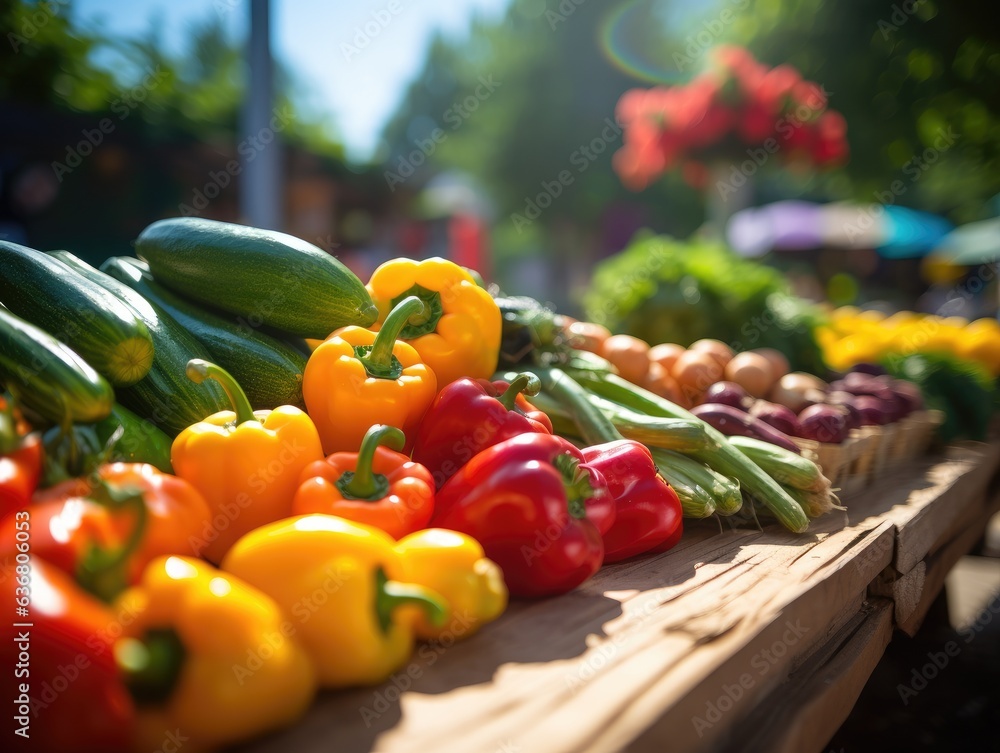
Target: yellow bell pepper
x,y
460,336
210,660
245,463
358,378
343,584
455,566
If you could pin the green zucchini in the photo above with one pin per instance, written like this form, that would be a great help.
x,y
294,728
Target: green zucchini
x,y
79,450
85,316
48,376
265,277
269,371
165,395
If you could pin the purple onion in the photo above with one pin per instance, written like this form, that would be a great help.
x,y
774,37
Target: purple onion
x,y
781,418
728,393
825,423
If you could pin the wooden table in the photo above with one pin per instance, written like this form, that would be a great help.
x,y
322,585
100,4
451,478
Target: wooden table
x,y
742,640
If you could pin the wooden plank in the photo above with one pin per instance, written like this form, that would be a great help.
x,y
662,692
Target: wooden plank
x,y
904,591
938,566
594,668
804,713
758,662
640,653
927,515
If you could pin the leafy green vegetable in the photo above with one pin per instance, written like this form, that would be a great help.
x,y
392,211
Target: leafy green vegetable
x,y
664,290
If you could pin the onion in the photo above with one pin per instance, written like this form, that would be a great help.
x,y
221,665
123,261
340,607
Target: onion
x,y
659,381
729,393
779,364
587,336
868,368
630,355
752,372
735,423
846,400
825,423
781,418
874,410
797,390
716,348
859,384
666,354
910,394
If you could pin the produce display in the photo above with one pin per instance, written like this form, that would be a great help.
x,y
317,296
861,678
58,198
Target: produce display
x,y
852,336
954,362
438,450
667,291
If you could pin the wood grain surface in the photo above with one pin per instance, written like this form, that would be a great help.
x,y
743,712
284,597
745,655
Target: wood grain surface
x,y
683,650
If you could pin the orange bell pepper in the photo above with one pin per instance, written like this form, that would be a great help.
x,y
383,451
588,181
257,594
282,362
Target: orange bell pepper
x,y
376,486
104,530
357,378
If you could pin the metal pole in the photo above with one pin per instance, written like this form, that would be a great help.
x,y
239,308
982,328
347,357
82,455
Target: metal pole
x,y
259,149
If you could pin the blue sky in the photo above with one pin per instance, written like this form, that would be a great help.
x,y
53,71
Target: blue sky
x,y
359,89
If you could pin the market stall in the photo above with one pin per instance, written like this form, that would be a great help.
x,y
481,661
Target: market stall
x,y
738,640
463,519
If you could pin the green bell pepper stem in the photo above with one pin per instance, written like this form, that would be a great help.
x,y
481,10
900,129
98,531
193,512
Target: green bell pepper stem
x,y
199,370
103,571
577,484
390,594
151,666
524,383
378,362
9,440
362,483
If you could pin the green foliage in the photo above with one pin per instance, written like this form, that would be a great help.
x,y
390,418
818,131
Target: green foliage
x,y
548,114
663,290
920,92
196,95
901,80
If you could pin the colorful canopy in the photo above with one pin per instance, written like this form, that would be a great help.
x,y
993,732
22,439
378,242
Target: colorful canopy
x,y
896,232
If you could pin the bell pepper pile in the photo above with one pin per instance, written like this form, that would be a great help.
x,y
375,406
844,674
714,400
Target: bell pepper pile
x,y
209,592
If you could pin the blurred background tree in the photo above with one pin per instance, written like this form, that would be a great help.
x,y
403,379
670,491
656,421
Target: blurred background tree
x,y
902,73
918,82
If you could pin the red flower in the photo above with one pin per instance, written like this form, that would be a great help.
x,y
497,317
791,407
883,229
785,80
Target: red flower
x,y
777,86
680,125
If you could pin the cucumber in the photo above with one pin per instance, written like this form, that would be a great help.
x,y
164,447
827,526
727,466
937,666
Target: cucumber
x,y
269,371
85,316
48,376
266,277
165,395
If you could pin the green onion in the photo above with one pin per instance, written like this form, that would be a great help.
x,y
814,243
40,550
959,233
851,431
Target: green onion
x,y
652,431
724,458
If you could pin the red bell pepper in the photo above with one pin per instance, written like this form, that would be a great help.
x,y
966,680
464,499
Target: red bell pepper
x,y
648,511
60,669
20,461
536,507
375,486
468,416
105,531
